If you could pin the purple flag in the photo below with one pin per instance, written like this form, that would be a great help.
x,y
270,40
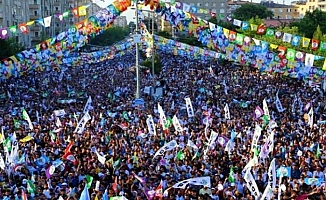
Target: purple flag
x,y
258,112
140,179
3,33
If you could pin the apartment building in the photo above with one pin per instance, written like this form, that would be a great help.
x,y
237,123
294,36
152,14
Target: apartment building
x,y
215,6
309,6
39,9
12,13
282,11
120,21
15,12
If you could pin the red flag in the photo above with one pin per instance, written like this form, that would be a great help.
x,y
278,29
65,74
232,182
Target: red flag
x,y
232,35
115,185
24,196
75,12
23,28
212,14
71,143
282,51
159,190
261,29
314,44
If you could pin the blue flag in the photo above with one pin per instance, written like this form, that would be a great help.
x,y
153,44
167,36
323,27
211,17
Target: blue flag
x,y
85,195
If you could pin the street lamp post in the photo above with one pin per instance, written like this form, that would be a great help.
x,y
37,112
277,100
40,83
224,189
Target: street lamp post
x,y
153,50
137,56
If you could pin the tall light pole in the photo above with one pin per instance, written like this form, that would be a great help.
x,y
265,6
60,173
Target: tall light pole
x,y
137,56
153,50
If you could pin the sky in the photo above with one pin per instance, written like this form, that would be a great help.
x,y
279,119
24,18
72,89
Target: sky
x,y
130,14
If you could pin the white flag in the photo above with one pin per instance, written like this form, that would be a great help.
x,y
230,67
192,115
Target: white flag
x,y
167,147
237,22
59,113
176,124
251,184
162,116
268,193
88,105
186,7
194,181
150,125
278,104
192,145
190,109
311,117
309,60
2,163
272,175
81,124
255,138
227,112
287,37
265,108
47,21
26,117
100,158
58,123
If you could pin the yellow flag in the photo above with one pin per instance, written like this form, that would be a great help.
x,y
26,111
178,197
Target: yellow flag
x,y
273,46
96,198
30,23
324,66
305,42
226,32
253,27
82,11
26,139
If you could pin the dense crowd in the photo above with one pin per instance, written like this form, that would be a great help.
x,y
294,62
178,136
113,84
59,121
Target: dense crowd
x,y
117,131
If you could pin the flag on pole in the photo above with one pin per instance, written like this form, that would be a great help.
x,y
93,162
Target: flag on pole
x,y
105,195
159,190
311,117
30,187
85,194
115,185
227,112
89,180
231,176
318,153
26,117
180,155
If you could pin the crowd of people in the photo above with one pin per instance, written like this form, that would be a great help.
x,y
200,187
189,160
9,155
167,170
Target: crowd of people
x,y
118,132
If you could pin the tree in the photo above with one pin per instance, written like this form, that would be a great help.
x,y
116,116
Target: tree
x,y
308,24
9,47
110,36
248,11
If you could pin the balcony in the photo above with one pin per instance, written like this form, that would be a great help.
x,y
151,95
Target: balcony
x,y
35,28
34,17
34,6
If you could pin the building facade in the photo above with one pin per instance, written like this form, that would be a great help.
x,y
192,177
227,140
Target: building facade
x,y
15,12
282,11
219,7
309,6
12,13
120,21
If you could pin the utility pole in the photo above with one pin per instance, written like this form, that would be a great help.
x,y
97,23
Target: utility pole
x,y
137,55
153,49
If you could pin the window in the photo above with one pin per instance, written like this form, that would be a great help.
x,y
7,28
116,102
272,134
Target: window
x,y
192,4
213,10
36,33
222,4
289,10
57,25
35,12
206,4
199,4
35,2
281,10
222,11
56,8
273,10
214,4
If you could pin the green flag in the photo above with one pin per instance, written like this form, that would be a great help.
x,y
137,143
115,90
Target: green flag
x,y
30,187
17,124
197,155
53,136
270,32
318,153
125,116
168,122
322,46
7,144
116,198
231,176
89,180
180,155
239,39
116,164
290,54
244,104
265,119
